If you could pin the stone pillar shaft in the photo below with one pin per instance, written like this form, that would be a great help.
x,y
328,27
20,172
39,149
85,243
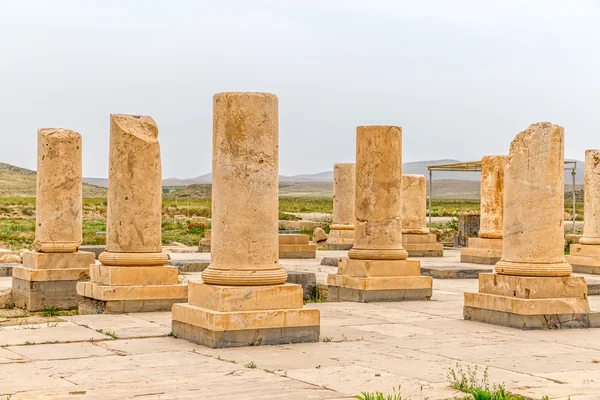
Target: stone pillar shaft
x,y
245,218
492,197
534,204
344,183
591,211
414,204
378,225
59,214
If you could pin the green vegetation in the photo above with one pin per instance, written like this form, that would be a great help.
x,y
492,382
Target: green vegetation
x,y
107,333
316,296
251,365
380,396
51,311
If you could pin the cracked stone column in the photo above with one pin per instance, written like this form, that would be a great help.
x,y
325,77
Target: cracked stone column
x,y
377,269
49,275
416,239
133,275
532,286
341,234
585,256
487,247
244,299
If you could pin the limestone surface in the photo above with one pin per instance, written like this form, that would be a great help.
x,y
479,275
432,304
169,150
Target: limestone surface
x,y
492,197
591,211
59,214
414,204
344,183
244,231
534,204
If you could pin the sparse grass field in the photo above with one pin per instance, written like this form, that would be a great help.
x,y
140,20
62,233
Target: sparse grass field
x,y
17,217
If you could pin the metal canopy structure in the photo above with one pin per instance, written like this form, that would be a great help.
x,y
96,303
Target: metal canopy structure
x,y
475,166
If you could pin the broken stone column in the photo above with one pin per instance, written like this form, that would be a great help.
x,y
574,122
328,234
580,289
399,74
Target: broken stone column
x,y
533,287
487,247
416,239
244,299
49,275
585,256
132,276
377,268
341,234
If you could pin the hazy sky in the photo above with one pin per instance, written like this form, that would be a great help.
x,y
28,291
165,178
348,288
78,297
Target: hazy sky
x,y
462,78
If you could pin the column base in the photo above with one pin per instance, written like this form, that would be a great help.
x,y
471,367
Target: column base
x,y
340,239
482,251
233,316
49,280
367,281
296,246
118,290
422,245
204,248
531,302
585,258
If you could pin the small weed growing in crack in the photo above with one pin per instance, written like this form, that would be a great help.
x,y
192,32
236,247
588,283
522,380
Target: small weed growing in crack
x,y
326,339
251,365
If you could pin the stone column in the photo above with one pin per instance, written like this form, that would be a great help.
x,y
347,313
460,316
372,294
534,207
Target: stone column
x,y
133,276
532,288
585,256
244,234
49,275
487,247
534,204
244,299
416,239
377,269
59,216
341,234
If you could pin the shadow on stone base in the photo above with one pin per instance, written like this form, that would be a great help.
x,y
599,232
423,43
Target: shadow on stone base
x,y
37,295
334,246
330,261
92,306
338,293
7,268
249,337
526,322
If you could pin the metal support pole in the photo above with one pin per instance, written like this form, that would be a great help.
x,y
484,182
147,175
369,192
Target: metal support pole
x,y
430,195
573,172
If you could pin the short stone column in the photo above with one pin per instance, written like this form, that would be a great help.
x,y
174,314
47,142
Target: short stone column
x,y
204,246
244,299
487,247
49,275
132,276
341,234
377,268
532,287
416,239
585,256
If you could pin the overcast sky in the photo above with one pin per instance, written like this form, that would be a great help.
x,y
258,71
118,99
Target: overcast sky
x,y
462,78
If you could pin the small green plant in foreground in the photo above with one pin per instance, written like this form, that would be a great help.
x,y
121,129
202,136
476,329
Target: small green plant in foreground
x,y
251,365
49,311
316,296
396,395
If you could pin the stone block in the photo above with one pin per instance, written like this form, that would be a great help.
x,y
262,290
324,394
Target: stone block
x,y
521,306
131,276
380,268
425,250
190,265
380,283
338,246
245,298
287,251
539,321
7,268
91,306
330,261
337,293
148,292
457,272
480,255
584,258
527,287
293,239
307,280
97,250
36,260
485,243
204,248
413,238
38,275
35,296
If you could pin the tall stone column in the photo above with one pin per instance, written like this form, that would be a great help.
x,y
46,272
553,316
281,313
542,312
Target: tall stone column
x,y
487,247
133,276
377,269
49,275
341,234
532,286
585,256
244,299
416,239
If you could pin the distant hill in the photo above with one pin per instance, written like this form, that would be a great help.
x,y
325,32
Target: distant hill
x,y
21,182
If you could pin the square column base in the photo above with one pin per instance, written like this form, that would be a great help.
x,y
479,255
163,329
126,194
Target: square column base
x,y
531,302
49,280
482,251
584,258
234,316
366,281
422,245
297,251
340,239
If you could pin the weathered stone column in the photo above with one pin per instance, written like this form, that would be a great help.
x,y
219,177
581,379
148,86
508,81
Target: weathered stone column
x,y
377,269
243,299
487,247
533,287
49,275
341,234
416,239
133,276
585,256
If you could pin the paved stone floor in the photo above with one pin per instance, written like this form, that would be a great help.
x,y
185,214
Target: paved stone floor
x,y
363,347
